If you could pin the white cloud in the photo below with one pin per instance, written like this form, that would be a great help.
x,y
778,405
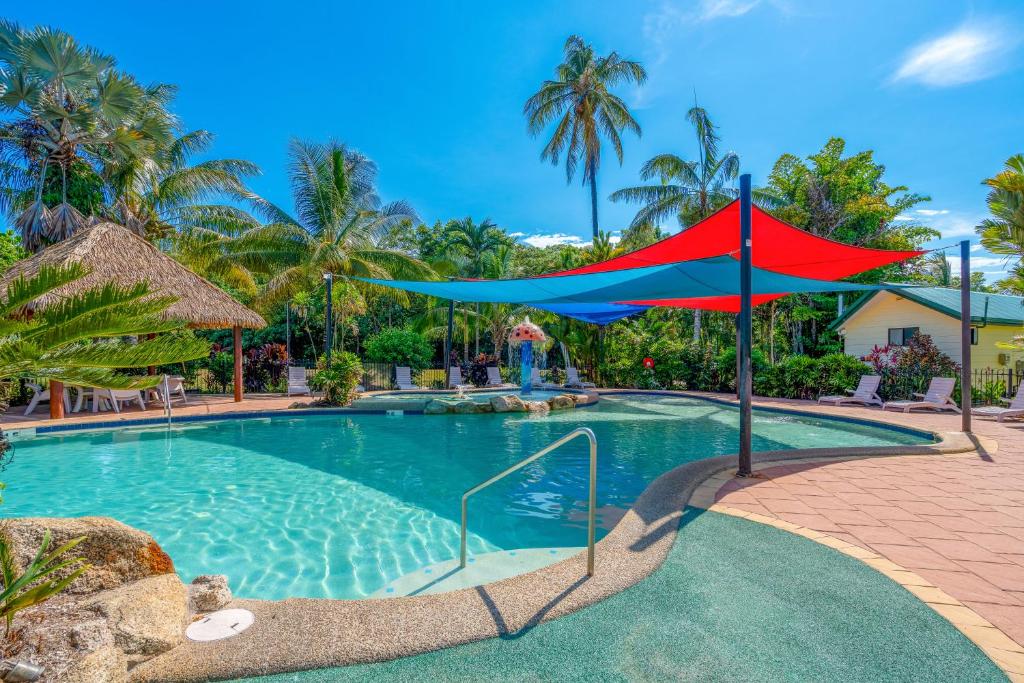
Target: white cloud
x,y
714,9
517,234
976,247
903,217
552,239
930,212
971,52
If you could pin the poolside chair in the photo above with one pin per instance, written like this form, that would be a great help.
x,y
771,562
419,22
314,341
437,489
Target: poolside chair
x,y
866,393
494,378
403,378
537,382
455,377
572,379
1015,409
175,387
297,381
39,394
117,398
938,397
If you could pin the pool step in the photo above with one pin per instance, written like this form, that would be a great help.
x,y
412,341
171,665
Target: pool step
x,y
442,577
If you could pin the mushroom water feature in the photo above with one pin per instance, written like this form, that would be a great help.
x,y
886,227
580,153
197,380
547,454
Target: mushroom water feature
x,y
524,334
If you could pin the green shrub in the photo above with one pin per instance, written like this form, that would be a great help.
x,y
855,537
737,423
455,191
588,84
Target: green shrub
x,y
725,367
222,369
338,383
807,378
399,347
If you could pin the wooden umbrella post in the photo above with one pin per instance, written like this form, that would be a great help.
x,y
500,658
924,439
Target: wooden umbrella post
x,y
238,362
56,400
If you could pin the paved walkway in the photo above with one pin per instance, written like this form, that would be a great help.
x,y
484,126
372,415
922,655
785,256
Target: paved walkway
x,y
958,521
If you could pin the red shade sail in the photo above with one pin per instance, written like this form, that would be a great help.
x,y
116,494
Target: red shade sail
x,y
777,246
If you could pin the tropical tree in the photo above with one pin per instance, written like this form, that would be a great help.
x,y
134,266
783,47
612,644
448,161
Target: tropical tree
x,y
477,243
580,99
338,226
83,339
64,102
1003,232
690,191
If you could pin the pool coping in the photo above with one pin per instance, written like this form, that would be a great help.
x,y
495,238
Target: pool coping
x,y
306,633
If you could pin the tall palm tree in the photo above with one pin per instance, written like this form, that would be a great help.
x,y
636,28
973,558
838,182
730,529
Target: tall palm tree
x,y
690,191
65,102
478,243
338,224
586,110
1003,233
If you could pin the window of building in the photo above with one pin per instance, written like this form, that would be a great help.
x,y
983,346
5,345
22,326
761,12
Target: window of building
x,y
900,336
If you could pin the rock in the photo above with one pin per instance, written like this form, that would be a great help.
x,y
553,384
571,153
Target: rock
x,y
464,407
208,593
105,665
91,635
579,398
537,406
561,402
435,408
146,617
118,553
299,404
507,403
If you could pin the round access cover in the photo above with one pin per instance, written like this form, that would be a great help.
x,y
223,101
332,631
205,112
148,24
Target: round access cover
x,y
220,624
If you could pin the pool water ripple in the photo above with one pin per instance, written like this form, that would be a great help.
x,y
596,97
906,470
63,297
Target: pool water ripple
x,y
339,506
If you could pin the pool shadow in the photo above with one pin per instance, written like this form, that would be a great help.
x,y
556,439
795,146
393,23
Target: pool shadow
x,y
502,626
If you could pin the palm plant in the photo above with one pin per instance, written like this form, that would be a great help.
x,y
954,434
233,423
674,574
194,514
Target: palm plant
x,y
1003,233
65,102
688,190
81,339
586,110
338,225
478,243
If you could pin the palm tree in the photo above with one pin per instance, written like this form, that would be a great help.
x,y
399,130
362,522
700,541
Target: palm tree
x,y
1003,233
338,224
82,339
939,269
579,98
688,190
66,102
477,242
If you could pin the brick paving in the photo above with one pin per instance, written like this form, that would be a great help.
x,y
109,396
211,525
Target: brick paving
x,y
957,520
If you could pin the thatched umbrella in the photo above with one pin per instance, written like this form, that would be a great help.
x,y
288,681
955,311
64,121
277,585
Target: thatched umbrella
x,y
112,252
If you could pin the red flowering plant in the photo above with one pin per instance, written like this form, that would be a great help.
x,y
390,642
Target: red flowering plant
x,y
908,369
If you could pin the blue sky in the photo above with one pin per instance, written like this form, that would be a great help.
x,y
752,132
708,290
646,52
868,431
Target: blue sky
x,y
434,91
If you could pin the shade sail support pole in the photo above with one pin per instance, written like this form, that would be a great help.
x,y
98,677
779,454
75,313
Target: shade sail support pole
x,y
744,381
448,345
965,336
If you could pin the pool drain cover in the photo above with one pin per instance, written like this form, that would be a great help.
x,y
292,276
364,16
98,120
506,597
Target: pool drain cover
x,y
221,624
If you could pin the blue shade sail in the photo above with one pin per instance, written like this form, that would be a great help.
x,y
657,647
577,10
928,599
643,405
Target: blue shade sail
x,y
599,314
715,276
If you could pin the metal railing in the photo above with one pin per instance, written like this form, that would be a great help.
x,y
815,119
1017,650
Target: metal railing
x,y
167,400
591,504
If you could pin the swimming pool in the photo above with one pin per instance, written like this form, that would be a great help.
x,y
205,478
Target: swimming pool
x,y
475,396
340,505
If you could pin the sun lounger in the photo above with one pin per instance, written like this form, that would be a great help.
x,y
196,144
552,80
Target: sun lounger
x,y
539,383
297,381
1015,409
403,378
866,393
572,380
39,394
938,397
117,398
455,377
494,378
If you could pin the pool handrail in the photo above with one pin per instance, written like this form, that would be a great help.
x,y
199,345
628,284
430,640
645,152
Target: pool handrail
x,y
591,503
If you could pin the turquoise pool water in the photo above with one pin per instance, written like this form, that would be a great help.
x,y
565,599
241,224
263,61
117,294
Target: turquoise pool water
x,y
340,505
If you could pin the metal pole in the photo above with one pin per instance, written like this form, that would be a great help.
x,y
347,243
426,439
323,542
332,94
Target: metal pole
x,y
965,335
288,331
448,345
329,331
744,381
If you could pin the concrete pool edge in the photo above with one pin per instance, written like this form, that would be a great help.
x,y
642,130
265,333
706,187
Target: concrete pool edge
x,y
1004,652
301,634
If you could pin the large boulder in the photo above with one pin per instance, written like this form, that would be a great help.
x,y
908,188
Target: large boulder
x,y
537,406
118,553
208,593
435,408
507,403
105,665
562,402
146,617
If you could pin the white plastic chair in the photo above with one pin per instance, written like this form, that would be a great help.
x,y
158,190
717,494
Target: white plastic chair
x,y
938,397
39,394
866,393
455,377
537,382
117,398
175,387
403,378
297,381
1015,409
494,378
572,379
